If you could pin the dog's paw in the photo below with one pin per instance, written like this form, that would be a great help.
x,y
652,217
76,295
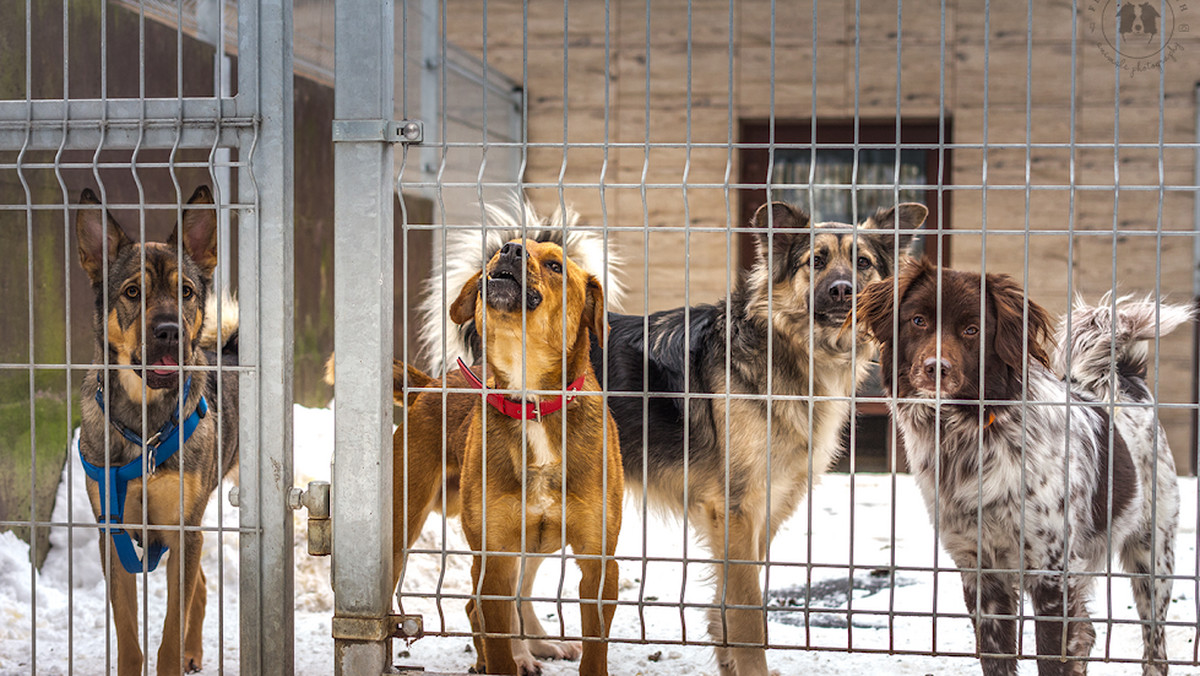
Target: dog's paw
x,y
193,666
526,664
555,650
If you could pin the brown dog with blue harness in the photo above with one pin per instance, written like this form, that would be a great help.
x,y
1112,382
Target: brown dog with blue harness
x,y
157,432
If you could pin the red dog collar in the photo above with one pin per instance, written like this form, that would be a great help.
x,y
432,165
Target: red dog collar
x,y
516,409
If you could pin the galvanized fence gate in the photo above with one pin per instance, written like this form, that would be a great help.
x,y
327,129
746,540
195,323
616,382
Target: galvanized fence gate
x,y
1052,142
93,100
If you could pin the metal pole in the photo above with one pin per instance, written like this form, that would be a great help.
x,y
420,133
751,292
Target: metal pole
x,y
363,301
265,280
1195,459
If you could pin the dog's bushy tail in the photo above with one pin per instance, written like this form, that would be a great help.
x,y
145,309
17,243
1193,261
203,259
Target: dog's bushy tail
x,y
226,342
416,378
1102,343
441,340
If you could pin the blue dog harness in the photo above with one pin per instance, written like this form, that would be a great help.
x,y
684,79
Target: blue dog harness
x,y
160,447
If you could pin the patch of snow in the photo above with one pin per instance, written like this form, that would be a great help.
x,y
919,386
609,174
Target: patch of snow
x,y
876,521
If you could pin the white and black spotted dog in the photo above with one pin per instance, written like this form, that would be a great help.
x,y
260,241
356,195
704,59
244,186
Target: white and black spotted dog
x,y
1054,466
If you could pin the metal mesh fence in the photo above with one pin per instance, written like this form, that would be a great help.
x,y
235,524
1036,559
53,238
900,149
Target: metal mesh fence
x,y
1051,143
702,430
135,176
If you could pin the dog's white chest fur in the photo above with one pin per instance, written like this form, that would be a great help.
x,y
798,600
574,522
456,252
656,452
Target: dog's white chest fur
x,y
543,470
538,449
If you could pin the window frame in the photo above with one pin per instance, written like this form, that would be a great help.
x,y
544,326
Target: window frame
x,y
754,175
754,170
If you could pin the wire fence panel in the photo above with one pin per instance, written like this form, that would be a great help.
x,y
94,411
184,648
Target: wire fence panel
x,y
727,337
1053,144
127,147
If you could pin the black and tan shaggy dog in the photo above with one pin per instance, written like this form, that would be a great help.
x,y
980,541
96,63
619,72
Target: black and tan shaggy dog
x,y
783,326
1064,472
149,477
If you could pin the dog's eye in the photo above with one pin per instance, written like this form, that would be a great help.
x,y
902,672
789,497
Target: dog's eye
x,y
132,292
555,267
971,330
818,262
188,292
864,263
919,321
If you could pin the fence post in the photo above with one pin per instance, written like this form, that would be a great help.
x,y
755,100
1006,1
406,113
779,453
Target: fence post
x,y
265,287
363,302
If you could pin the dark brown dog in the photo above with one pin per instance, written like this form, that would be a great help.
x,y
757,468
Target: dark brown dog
x,y
1027,495
152,304
524,491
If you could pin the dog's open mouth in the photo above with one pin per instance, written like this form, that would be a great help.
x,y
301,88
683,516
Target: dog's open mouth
x,y
504,291
168,365
163,372
502,276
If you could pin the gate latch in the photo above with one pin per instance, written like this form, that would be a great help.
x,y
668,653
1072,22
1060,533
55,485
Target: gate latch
x,y
406,627
380,131
316,501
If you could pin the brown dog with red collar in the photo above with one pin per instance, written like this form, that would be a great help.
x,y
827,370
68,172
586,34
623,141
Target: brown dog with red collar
x,y
520,481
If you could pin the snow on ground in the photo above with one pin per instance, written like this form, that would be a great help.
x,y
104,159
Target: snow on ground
x,y
877,521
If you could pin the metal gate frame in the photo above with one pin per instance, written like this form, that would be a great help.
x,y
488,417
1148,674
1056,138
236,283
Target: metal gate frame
x,y
265,280
361,491
257,121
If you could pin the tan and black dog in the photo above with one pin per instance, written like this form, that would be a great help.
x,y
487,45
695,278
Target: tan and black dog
x,y
154,320
524,493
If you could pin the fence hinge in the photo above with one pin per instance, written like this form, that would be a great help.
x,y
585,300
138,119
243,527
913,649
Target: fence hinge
x,y
407,627
320,528
383,131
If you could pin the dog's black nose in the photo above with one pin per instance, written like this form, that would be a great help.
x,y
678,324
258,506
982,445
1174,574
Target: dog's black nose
x,y
512,250
932,366
167,332
841,291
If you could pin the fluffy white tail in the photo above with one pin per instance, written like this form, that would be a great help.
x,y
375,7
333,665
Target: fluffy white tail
x,y
227,320
1102,343
467,251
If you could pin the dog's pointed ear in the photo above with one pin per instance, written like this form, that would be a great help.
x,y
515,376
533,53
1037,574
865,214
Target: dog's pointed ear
x,y
905,217
593,309
1012,341
199,231
877,303
462,310
96,231
781,226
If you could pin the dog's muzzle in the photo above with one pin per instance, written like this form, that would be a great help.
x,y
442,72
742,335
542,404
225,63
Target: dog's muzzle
x,y
503,288
833,301
929,373
162,353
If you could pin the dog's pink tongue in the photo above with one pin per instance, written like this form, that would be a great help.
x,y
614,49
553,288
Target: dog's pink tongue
x,y
167,360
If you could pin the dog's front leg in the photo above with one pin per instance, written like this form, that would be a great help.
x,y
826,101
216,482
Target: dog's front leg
x,y
1047,595
181,592
497,577
994,634
530,625
193,645
739,618
122,594
596,618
